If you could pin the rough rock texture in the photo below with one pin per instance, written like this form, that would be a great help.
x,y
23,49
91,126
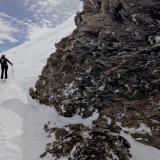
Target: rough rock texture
x,y
77,142
110,63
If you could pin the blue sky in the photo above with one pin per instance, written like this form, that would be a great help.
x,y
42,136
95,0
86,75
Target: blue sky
x,y
22,20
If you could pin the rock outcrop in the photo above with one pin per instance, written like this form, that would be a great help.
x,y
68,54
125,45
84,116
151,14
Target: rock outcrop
x,y
77,142
109,64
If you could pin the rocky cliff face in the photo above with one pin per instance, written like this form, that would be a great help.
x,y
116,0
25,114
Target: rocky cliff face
x,y
109,64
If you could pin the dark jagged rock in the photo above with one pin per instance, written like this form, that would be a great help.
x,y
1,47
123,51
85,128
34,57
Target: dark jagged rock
x,y
81,143
109,64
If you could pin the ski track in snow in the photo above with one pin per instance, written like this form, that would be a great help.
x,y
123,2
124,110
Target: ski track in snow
x,y
22,119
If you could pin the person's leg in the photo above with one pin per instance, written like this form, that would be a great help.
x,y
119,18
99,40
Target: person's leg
x,y
6,72
2,72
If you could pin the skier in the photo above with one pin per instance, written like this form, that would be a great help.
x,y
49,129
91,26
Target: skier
x,y
4,66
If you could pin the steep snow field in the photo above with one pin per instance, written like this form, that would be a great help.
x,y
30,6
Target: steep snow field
x,y
22,119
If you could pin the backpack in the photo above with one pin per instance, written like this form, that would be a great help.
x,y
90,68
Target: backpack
x,y
3,62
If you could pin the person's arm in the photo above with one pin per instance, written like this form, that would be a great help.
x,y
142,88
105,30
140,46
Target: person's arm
x,y
9,62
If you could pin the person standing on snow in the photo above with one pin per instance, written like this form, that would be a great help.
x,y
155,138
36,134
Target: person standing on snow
x,y
4,66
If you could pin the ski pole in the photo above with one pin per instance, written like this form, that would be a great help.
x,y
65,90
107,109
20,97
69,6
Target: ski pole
x,y
12,72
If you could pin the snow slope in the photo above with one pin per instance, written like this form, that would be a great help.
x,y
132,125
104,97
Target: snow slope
x,y
22,119
21,122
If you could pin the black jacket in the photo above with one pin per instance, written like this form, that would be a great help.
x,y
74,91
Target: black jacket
x,y
4,62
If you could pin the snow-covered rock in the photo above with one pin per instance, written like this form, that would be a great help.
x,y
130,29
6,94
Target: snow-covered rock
x,y
109,64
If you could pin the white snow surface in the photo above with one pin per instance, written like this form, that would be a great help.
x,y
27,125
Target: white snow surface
x,y
140,151
22,119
